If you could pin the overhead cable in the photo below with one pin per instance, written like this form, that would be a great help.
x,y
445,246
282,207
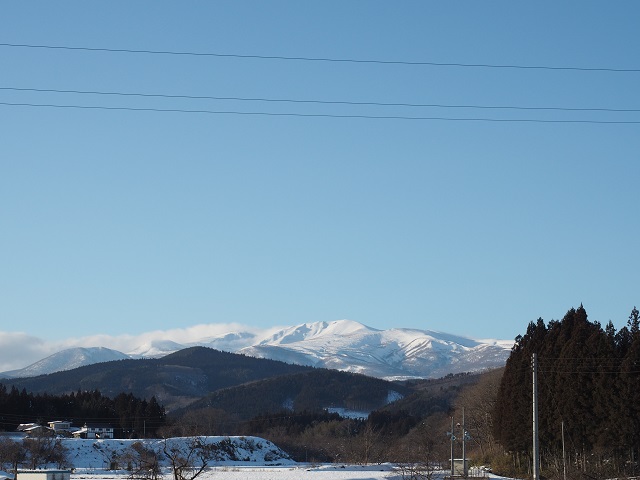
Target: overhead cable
x,y
325,59
322,102
320,115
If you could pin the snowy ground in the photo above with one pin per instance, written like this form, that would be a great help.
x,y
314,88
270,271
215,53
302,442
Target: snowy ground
x,y
253,472
290,472
99,454
243,458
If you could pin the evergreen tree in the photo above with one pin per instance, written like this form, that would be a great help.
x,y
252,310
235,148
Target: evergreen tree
x,y
512,414
588,382
634,322
629,387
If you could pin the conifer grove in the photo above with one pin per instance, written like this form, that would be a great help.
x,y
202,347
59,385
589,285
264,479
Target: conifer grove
x,y
588,388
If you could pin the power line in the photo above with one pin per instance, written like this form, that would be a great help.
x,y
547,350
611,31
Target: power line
x,y
326,59
320,115
322,102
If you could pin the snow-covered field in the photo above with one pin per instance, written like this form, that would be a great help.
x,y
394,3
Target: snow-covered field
x,y
290,472
100,454
237,458
265,472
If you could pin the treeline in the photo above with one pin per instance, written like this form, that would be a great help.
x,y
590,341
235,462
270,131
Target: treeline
x,y
412,430
328,437
179,378
588,390
131,417
312,390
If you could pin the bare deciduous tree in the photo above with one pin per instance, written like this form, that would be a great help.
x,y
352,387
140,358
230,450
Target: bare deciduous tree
x,y
12,454
188,460
43,450
479,401
368,445
142,462
421,453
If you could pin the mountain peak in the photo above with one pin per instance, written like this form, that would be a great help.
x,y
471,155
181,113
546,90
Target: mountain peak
x,y
68,359
315,330
156,348
347,345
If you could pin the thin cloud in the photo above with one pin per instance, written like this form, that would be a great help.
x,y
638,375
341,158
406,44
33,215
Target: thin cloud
x,y
21,350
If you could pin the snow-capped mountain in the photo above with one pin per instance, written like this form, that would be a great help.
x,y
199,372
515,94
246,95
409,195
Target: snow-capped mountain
x,y
391,354
346,345
68,359
156,348
230,342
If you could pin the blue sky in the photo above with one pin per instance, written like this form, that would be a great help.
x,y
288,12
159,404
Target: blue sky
x,y
120,222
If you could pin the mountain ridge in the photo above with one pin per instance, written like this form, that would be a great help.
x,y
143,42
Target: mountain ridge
x,y
346,345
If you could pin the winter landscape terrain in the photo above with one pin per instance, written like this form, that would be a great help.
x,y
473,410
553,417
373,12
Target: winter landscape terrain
x,y
236,458
394,354
345,345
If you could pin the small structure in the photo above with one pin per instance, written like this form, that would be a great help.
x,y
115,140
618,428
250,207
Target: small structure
x,y
62,428
58,428
43,475
23,427
460,469
34,429
94,430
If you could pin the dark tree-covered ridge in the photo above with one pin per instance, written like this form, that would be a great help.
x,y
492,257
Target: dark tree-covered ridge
x,y
175,380
588,385
129,415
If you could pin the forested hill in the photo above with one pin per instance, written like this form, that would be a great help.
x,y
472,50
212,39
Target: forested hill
x,y
588,386
313,390
175,380
202,377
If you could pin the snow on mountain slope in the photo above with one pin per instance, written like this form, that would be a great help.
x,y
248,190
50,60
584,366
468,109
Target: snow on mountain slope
x,y
346,345
229,342
317,331
392,354
67,360
156,348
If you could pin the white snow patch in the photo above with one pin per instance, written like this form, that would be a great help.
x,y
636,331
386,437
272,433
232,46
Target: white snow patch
x,y
394,396
346,413
100,454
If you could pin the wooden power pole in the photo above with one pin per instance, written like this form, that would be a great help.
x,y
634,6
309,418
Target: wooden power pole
x,y
536,454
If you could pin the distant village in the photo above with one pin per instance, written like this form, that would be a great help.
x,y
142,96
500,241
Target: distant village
x,y
61,428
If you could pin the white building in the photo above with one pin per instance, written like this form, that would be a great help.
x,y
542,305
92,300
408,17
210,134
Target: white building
x,y
60,426
94,430
43,475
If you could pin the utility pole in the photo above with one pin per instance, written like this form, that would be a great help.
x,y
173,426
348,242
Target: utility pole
x,y
464,437
536,455
464,447
564,456
453,439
